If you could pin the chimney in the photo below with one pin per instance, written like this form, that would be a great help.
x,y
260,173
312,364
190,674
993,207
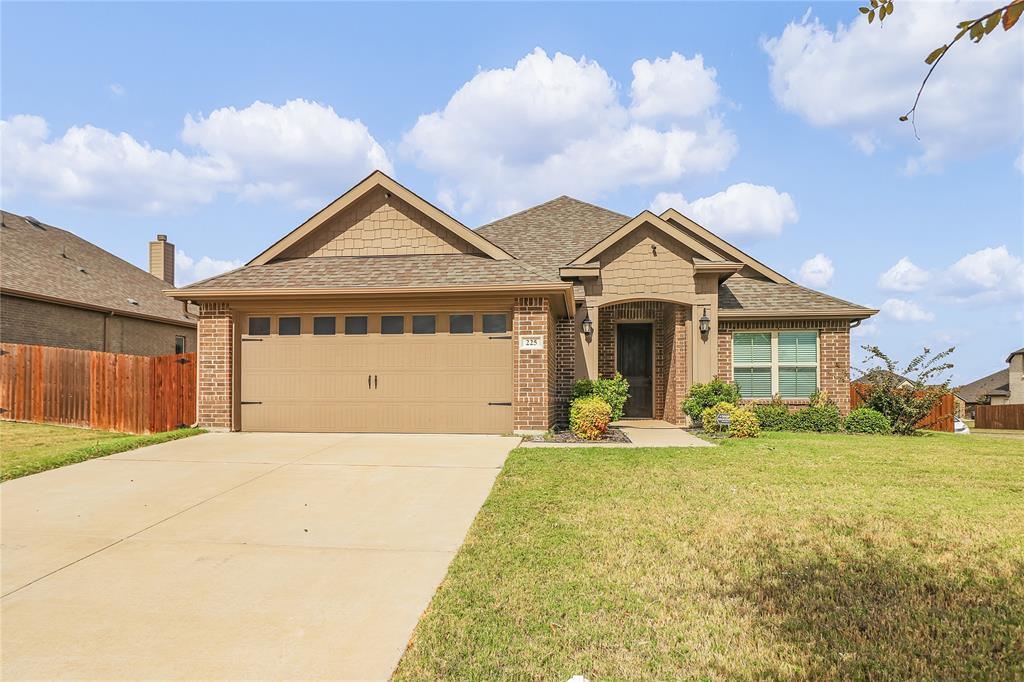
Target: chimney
x,y
161,259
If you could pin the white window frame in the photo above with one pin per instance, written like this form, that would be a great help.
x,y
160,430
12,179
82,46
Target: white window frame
x,y
775,358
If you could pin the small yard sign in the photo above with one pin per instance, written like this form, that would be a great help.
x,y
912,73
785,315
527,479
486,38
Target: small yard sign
x,y
723,419
531,343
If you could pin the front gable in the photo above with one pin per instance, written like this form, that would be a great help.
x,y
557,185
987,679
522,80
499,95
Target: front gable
x,y
645,262
379,217
379,224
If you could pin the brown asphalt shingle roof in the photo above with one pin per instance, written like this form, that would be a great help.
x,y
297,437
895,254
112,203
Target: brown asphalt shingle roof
x,y
542,239
997,383
438,270
751,295
46,261
553,234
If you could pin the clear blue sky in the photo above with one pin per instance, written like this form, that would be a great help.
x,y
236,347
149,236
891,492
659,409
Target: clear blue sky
x,y
95,99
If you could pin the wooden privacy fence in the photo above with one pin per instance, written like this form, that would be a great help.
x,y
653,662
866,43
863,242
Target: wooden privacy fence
x,y
939,419
999,416
111,391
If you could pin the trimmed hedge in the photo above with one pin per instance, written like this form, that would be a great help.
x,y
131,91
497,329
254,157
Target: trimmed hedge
x,y
821,418
866,420
615,392
703,396
744,424
589,417
709,417
774,416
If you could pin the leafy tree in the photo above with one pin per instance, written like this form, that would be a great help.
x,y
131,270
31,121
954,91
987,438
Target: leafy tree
x,y
976,29
904,396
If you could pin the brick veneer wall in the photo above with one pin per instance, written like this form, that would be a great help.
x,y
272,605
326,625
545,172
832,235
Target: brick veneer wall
x,y
565,368
669,329
214,366
532,370
42,323
833,363
674,342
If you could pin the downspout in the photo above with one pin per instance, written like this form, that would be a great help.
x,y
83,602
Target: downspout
x,y
854,324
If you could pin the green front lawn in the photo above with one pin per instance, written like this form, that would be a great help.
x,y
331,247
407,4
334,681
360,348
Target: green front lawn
x,y
31,448
790,556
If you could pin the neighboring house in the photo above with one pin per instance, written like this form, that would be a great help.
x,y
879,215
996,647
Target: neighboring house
x,y
383,313
1005,387
56,289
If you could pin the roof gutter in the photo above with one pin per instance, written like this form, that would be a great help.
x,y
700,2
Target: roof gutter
x,y
102,309
839,314
211,294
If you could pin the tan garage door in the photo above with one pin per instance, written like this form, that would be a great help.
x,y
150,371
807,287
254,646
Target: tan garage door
x,y
422,373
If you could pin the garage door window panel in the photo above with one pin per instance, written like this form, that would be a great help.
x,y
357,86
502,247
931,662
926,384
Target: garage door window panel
x,y
495,323
392,324
356,325
325,326
259,326
424,324
460,324
289,326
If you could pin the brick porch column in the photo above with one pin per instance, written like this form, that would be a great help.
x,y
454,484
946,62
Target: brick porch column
x,y
214,366
532,369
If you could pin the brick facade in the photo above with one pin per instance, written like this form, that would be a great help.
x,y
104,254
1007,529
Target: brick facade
x,y
42,323
214,402
565,368
533,371
668,322
833,361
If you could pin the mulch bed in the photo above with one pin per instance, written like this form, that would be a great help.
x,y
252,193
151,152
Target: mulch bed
x,y
612,435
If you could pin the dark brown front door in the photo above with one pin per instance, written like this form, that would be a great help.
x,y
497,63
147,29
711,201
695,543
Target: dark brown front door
x,y
634,361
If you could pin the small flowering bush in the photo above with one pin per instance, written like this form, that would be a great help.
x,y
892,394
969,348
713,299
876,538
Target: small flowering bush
x,y
589,417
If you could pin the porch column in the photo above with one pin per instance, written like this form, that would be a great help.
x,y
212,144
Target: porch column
x,y
704,347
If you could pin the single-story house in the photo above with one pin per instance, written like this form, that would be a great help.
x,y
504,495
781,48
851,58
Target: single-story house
x,y
383,313
57,289
1005,387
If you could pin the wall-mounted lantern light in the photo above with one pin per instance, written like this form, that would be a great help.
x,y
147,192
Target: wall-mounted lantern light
x,y
705,323
588,327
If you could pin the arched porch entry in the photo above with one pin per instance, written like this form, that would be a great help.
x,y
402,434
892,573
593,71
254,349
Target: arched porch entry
x,y
647,341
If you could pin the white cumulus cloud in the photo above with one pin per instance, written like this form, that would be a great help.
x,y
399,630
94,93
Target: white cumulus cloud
x,y
116,89
860,78
817,271
904,276
93,166
902,310
988,274
188,270
556,125
299,152
740,209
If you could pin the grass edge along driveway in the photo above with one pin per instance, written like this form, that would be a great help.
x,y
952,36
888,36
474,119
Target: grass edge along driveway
x,y
799,556
28,448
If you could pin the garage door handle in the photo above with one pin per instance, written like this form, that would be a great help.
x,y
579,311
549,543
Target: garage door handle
x,y
375,381
369,381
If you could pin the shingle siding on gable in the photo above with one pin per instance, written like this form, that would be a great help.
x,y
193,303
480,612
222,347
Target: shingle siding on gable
x,y
644,263
377,225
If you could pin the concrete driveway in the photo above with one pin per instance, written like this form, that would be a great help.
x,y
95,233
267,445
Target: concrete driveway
x,y
236,556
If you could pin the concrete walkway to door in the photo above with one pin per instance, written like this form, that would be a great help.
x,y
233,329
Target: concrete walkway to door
x,y
229,556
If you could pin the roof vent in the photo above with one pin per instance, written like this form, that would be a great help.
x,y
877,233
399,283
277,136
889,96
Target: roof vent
x,y
34,221
82,270
63,251
133,301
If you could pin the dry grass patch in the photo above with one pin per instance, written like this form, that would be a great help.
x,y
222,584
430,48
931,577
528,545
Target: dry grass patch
x,y
793,556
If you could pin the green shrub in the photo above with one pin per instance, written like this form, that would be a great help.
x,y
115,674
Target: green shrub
x,y
904,395
774,416
615,392
866,420
703,396
589,417
744,424
821,418
709,417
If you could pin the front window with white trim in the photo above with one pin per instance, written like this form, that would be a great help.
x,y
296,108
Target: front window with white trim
x,y
766,363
